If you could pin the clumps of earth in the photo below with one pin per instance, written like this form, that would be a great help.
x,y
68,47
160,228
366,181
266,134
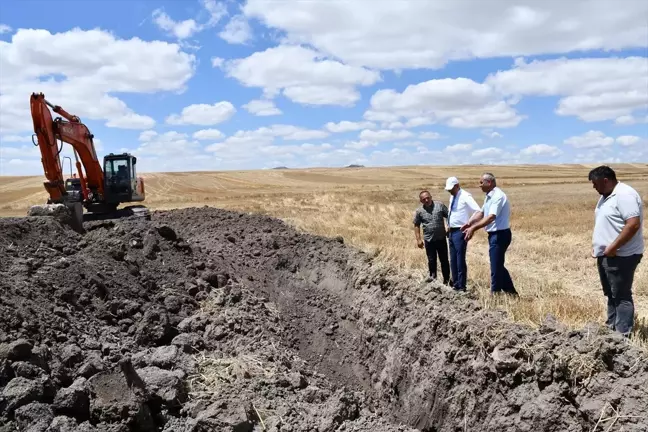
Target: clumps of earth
x,y
207,320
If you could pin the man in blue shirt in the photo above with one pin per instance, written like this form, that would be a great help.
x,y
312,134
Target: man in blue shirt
x,y
495,217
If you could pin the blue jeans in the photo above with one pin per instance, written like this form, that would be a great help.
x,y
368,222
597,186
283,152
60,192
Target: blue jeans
x,y
458,267
498,242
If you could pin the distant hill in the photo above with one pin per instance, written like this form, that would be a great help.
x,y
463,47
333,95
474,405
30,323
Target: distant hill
x,y
354,166
281,167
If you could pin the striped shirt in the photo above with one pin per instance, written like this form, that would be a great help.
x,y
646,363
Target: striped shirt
x,y
432,220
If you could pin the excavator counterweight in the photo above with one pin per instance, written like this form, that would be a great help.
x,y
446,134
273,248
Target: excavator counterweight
x,y
99,189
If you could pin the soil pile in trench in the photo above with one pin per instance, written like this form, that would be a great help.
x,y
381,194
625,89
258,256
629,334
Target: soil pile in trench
x,y
207,320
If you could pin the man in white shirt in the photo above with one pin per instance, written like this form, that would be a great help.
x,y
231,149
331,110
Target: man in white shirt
x,y
462,207
617,244
495,217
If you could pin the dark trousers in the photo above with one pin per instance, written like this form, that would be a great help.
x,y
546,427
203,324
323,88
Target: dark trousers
x,y
498,242
440,248
617,274
458,267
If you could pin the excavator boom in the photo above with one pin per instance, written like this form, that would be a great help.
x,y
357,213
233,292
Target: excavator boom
x,y
73,132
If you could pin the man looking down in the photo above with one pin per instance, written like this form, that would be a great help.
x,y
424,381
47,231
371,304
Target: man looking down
x,y
617,244
462,207
495,217
431,215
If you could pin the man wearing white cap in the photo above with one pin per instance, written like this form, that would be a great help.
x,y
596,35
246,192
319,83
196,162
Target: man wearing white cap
x,y
462,207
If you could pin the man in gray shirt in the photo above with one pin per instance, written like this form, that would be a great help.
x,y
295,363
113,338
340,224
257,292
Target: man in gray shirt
x,y
617,244
431,215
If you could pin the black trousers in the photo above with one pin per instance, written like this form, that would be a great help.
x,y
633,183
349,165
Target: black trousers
x,y
617,274
440,248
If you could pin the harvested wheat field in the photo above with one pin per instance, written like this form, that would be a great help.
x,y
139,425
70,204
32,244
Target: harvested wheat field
x,y
207,319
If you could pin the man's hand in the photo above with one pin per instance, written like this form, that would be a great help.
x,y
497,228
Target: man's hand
x,y
419,243
610,251
470,231
464,227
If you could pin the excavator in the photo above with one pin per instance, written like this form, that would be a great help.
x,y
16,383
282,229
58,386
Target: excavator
x,y
99,188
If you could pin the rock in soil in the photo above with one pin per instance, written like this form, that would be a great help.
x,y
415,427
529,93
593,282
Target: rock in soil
x,y
204,319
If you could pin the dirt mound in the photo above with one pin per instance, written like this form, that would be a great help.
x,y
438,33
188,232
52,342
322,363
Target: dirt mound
x,y
203,319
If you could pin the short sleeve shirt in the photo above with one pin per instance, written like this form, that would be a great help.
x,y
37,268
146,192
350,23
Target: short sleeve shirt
x,y
432,220
610,217
497,203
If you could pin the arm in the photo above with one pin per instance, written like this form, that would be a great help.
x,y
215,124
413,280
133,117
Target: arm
x,y
494,209
478,213
631,227
417,234
417,229
630,210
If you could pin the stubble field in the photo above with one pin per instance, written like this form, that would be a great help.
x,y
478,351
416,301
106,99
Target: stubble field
x,y
552,220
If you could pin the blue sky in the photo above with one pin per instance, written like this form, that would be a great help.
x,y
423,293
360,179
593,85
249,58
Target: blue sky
x,y
264,84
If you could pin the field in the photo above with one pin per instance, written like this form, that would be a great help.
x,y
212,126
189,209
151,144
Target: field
x,y
372,208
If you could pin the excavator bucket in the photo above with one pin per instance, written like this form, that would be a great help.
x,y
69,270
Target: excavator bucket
x,y
70,214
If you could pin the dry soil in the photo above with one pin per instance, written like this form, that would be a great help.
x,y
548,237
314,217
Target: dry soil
x,y
202,319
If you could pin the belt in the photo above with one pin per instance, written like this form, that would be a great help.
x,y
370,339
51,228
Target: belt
x,y
453,229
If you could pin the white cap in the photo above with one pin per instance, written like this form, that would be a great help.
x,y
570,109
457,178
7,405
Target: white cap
x,y
451,182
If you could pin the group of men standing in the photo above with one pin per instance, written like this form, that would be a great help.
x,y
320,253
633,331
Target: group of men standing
x,y
617,238
464,217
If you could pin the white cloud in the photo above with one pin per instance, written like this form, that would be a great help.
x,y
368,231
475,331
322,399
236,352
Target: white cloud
x,y
458,102
4,28
491,133
260,108
590,139
179,29
217,62
416,144
33,58
459,148
209,134
237,30
360,145
245,140
186,28
348,126
541,150
303,74
24,151
170,151
628,140
625,120
489,152
384,135
322,95
430,135
593,89
203,114
131,121
15,138
427,34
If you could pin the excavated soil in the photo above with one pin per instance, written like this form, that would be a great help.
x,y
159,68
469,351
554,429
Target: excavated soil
x,y
208,320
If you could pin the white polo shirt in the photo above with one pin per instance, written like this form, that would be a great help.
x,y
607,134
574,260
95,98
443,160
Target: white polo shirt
x,y
497,203
610,216
461,210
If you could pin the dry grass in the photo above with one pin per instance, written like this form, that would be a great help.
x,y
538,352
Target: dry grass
x,y
372,208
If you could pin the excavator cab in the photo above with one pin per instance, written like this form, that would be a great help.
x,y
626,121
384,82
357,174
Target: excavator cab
x,y
121,183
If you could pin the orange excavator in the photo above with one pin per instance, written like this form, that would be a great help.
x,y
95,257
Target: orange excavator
x,y
99,190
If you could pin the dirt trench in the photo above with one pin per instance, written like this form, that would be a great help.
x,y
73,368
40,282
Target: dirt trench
x,y
203,319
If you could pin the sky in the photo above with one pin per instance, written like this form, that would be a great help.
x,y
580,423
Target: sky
x,y
228,85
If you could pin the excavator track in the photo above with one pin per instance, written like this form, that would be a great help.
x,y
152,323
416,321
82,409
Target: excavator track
x,y
136,211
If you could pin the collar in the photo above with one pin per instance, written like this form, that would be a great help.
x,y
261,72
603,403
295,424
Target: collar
x,y
491,193
613,193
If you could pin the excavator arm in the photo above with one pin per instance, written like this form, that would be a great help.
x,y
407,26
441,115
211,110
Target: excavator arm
x,y
72,131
